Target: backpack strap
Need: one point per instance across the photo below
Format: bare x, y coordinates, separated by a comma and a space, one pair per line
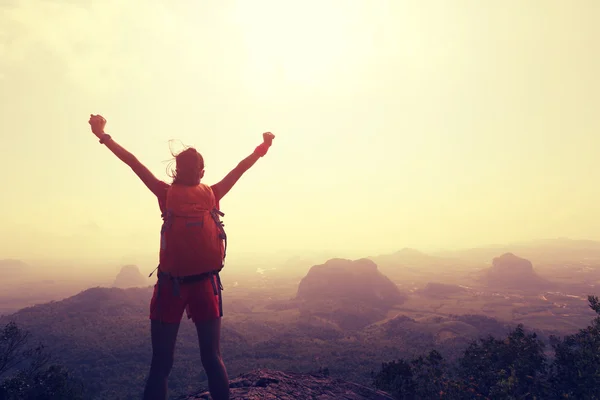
215, 214
152, 273
217, 288
167, 217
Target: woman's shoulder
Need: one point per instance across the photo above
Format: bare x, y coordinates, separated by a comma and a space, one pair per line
160, 190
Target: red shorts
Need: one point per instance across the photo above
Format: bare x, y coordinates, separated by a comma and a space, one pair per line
197, 298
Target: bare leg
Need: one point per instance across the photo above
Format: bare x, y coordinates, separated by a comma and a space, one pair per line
209, 335
164, 337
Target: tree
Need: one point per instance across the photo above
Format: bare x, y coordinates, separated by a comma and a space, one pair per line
577, 361
12, 347
28, 371
431, 377
512, 368
396, 378
425, 377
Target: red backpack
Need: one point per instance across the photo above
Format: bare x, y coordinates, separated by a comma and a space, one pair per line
193, 240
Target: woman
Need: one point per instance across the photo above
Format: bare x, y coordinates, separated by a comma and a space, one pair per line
192, 251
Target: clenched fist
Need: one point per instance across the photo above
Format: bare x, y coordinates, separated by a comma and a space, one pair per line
268, 138
97, 123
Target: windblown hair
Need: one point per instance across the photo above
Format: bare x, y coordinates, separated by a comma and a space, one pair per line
188, 167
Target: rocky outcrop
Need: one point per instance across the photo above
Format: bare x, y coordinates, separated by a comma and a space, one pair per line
351, 294
270, 385
130, 276
512, 272
346, 279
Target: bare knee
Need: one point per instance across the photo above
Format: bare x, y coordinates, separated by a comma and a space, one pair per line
209, 333
211, 358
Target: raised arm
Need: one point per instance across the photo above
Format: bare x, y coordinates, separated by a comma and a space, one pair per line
225, 185
98, 123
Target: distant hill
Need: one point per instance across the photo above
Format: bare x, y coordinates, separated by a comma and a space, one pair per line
512, 272
130, 276
349, 280
551, 251
351, 293
13, 267
440, 329
451, 333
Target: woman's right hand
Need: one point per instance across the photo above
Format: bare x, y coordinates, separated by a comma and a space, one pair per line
268, 138
97, 123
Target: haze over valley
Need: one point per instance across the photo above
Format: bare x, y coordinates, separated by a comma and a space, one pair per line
347, 316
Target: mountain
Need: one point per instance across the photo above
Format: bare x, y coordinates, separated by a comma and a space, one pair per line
512, 272
454, 331
130, 276
271, 384
349, 280
351, 294
11, 267
558, 250
407, 256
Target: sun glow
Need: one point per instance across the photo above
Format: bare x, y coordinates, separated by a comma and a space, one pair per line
301, 43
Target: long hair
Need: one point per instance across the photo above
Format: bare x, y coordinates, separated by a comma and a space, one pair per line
189, 165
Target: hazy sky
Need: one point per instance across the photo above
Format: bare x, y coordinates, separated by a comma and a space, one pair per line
399, 123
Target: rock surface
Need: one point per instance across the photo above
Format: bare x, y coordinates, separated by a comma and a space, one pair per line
266, 384
349, 294
512, 272
346, 279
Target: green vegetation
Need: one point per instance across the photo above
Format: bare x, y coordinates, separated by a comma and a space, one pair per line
516, 367
27, 371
